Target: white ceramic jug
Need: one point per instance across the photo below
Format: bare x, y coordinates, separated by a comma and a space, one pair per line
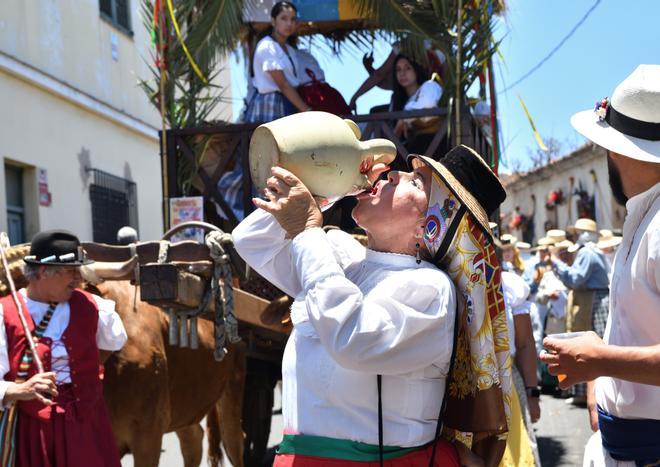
321, 149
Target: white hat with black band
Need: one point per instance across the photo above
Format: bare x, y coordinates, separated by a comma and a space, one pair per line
629, 122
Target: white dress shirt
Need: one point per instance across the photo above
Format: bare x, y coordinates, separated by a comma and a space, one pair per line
634, 318
357, 313
110, 335
270, 56
515, 292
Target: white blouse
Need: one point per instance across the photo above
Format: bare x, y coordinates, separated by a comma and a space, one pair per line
515, 292
270, 56
426, 96
634, 318
357, 313
110, 335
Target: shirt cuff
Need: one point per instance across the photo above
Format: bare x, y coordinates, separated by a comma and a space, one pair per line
110, 334
3, 390
313, 257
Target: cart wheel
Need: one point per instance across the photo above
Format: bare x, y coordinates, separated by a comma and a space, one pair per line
258, 409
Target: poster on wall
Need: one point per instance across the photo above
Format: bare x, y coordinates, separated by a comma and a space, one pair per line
184, 209
45, 198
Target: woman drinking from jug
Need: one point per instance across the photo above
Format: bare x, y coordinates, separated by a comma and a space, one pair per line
366, 366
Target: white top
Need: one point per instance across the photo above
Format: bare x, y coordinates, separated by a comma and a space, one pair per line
426, 96
357, 313
270, 56
515, 292
634, 318
550, 283
110, 335
306, 61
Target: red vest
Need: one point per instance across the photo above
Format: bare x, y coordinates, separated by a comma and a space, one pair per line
79, 338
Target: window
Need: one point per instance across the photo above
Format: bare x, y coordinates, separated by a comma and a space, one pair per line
114, 205
15, 204
117, 12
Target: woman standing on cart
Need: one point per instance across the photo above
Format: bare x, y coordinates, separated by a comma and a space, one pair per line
366, 366
275, 70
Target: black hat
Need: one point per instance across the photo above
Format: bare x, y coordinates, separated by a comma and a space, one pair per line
56, 248
467, 175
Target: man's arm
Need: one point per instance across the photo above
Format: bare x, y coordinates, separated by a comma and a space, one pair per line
587, 357
577, 274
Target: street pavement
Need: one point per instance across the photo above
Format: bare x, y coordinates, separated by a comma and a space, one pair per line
561, 433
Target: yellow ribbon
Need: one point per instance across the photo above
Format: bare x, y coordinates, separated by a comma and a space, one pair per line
539, 141
183, 44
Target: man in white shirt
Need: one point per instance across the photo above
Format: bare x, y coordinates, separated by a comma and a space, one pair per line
626, 366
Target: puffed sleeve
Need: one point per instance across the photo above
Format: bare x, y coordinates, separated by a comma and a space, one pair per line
259, 240
272, 56
404, 324
110, 333
4, 361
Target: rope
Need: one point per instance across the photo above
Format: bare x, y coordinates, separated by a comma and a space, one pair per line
226, 325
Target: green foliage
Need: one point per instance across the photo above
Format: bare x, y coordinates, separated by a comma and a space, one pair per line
210, 30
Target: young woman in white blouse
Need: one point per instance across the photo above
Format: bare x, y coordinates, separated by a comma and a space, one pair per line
275, 69
414, 91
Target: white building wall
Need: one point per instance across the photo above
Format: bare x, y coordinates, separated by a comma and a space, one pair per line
71, 102
556, 176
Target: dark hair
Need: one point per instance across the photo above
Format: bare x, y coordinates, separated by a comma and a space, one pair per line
279, 7
399, 96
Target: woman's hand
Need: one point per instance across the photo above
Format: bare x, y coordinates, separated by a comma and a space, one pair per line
41, 387
401, 129
466, 457
290, 202
534, 406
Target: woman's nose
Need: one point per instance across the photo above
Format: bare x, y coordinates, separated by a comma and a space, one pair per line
393, 177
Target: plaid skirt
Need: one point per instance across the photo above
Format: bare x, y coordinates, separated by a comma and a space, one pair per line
268, 107
600, 310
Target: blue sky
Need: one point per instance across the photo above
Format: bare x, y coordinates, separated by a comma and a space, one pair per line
615, 38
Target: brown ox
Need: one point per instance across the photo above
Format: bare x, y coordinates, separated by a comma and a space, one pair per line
152, 388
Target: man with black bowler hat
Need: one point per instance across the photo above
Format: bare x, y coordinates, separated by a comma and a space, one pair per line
626, 363
62, 418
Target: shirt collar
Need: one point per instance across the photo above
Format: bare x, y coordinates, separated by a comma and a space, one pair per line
643, 200
394, 259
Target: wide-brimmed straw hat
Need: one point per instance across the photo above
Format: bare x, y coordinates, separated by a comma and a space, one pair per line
552, 237
629, 122
56, 248
586, 224
507, 241
607, 239
560, 246
470, 179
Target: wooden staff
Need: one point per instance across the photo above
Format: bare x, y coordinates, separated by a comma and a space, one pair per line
4, 240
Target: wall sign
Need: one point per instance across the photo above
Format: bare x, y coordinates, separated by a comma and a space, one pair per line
45, 198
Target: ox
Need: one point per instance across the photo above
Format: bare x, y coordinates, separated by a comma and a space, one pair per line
152, 388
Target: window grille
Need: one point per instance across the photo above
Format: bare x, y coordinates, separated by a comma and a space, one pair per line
118, 13
114, 205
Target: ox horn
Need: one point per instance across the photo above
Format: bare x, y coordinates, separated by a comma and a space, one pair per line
95, 273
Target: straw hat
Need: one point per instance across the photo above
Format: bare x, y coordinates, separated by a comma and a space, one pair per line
523, 246
507, 241
607, 239
560, 246
586, 224
552, 237
629, 123
469, 178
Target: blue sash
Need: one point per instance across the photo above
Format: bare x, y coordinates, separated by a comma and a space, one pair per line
630, 440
